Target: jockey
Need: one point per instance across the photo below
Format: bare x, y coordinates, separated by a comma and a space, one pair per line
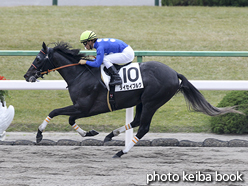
109, 51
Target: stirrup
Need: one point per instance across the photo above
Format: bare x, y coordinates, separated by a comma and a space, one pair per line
115, 81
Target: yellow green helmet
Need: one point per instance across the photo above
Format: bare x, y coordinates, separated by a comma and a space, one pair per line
87, 36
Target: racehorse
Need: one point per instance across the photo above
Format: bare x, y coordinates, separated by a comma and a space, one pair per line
89, 94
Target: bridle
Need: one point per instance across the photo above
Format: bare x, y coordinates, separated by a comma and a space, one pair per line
54, 69
40, 72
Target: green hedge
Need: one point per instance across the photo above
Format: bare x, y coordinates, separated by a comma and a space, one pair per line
232, 123
240, 3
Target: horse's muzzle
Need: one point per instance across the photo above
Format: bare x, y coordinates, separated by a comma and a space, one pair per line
29, 78
32, 77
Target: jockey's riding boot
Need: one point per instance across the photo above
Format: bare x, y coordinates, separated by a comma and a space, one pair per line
115, 78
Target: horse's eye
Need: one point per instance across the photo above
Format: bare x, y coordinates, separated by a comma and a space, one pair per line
38, 58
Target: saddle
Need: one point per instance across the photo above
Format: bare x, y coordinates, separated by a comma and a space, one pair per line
131, 80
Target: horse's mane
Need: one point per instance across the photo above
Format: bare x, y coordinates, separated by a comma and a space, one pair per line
66, 50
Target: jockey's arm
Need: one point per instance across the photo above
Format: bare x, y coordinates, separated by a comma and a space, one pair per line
98, 61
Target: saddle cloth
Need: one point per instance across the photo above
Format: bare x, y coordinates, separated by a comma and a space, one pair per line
130, 75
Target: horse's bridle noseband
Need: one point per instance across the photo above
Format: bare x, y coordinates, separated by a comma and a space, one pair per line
40, 71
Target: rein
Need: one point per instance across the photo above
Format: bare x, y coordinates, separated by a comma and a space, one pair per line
69, 65
52, 70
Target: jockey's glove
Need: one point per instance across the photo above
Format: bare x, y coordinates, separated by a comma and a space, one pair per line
82, 62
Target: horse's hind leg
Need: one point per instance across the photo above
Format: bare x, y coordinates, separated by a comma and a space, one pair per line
145, 121
128, 126
148, 108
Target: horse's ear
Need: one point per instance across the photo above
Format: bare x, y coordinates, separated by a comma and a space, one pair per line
44, 46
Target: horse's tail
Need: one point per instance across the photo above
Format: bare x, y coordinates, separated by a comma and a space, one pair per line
196, 101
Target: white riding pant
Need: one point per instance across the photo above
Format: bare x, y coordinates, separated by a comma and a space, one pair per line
126, 56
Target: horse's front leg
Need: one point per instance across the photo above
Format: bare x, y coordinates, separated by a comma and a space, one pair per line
72, 122
72, 111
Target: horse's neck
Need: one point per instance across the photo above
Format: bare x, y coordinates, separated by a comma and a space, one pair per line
69, 74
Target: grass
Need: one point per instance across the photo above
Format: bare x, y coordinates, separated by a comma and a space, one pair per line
144, 28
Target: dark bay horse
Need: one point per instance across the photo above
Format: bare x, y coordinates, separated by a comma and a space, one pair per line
89, 95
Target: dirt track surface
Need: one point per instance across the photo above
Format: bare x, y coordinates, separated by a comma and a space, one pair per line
198, 137
94, 165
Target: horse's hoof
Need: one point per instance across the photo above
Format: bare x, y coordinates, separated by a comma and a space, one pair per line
91, 133
115, 156
39, 136
106, 139
118, 154
109, 137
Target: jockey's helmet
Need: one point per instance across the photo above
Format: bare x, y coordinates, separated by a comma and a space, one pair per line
87, 36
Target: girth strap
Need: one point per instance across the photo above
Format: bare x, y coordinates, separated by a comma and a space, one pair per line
112, 97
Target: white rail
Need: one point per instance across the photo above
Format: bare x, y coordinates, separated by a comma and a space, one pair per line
39, 85
61, 85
